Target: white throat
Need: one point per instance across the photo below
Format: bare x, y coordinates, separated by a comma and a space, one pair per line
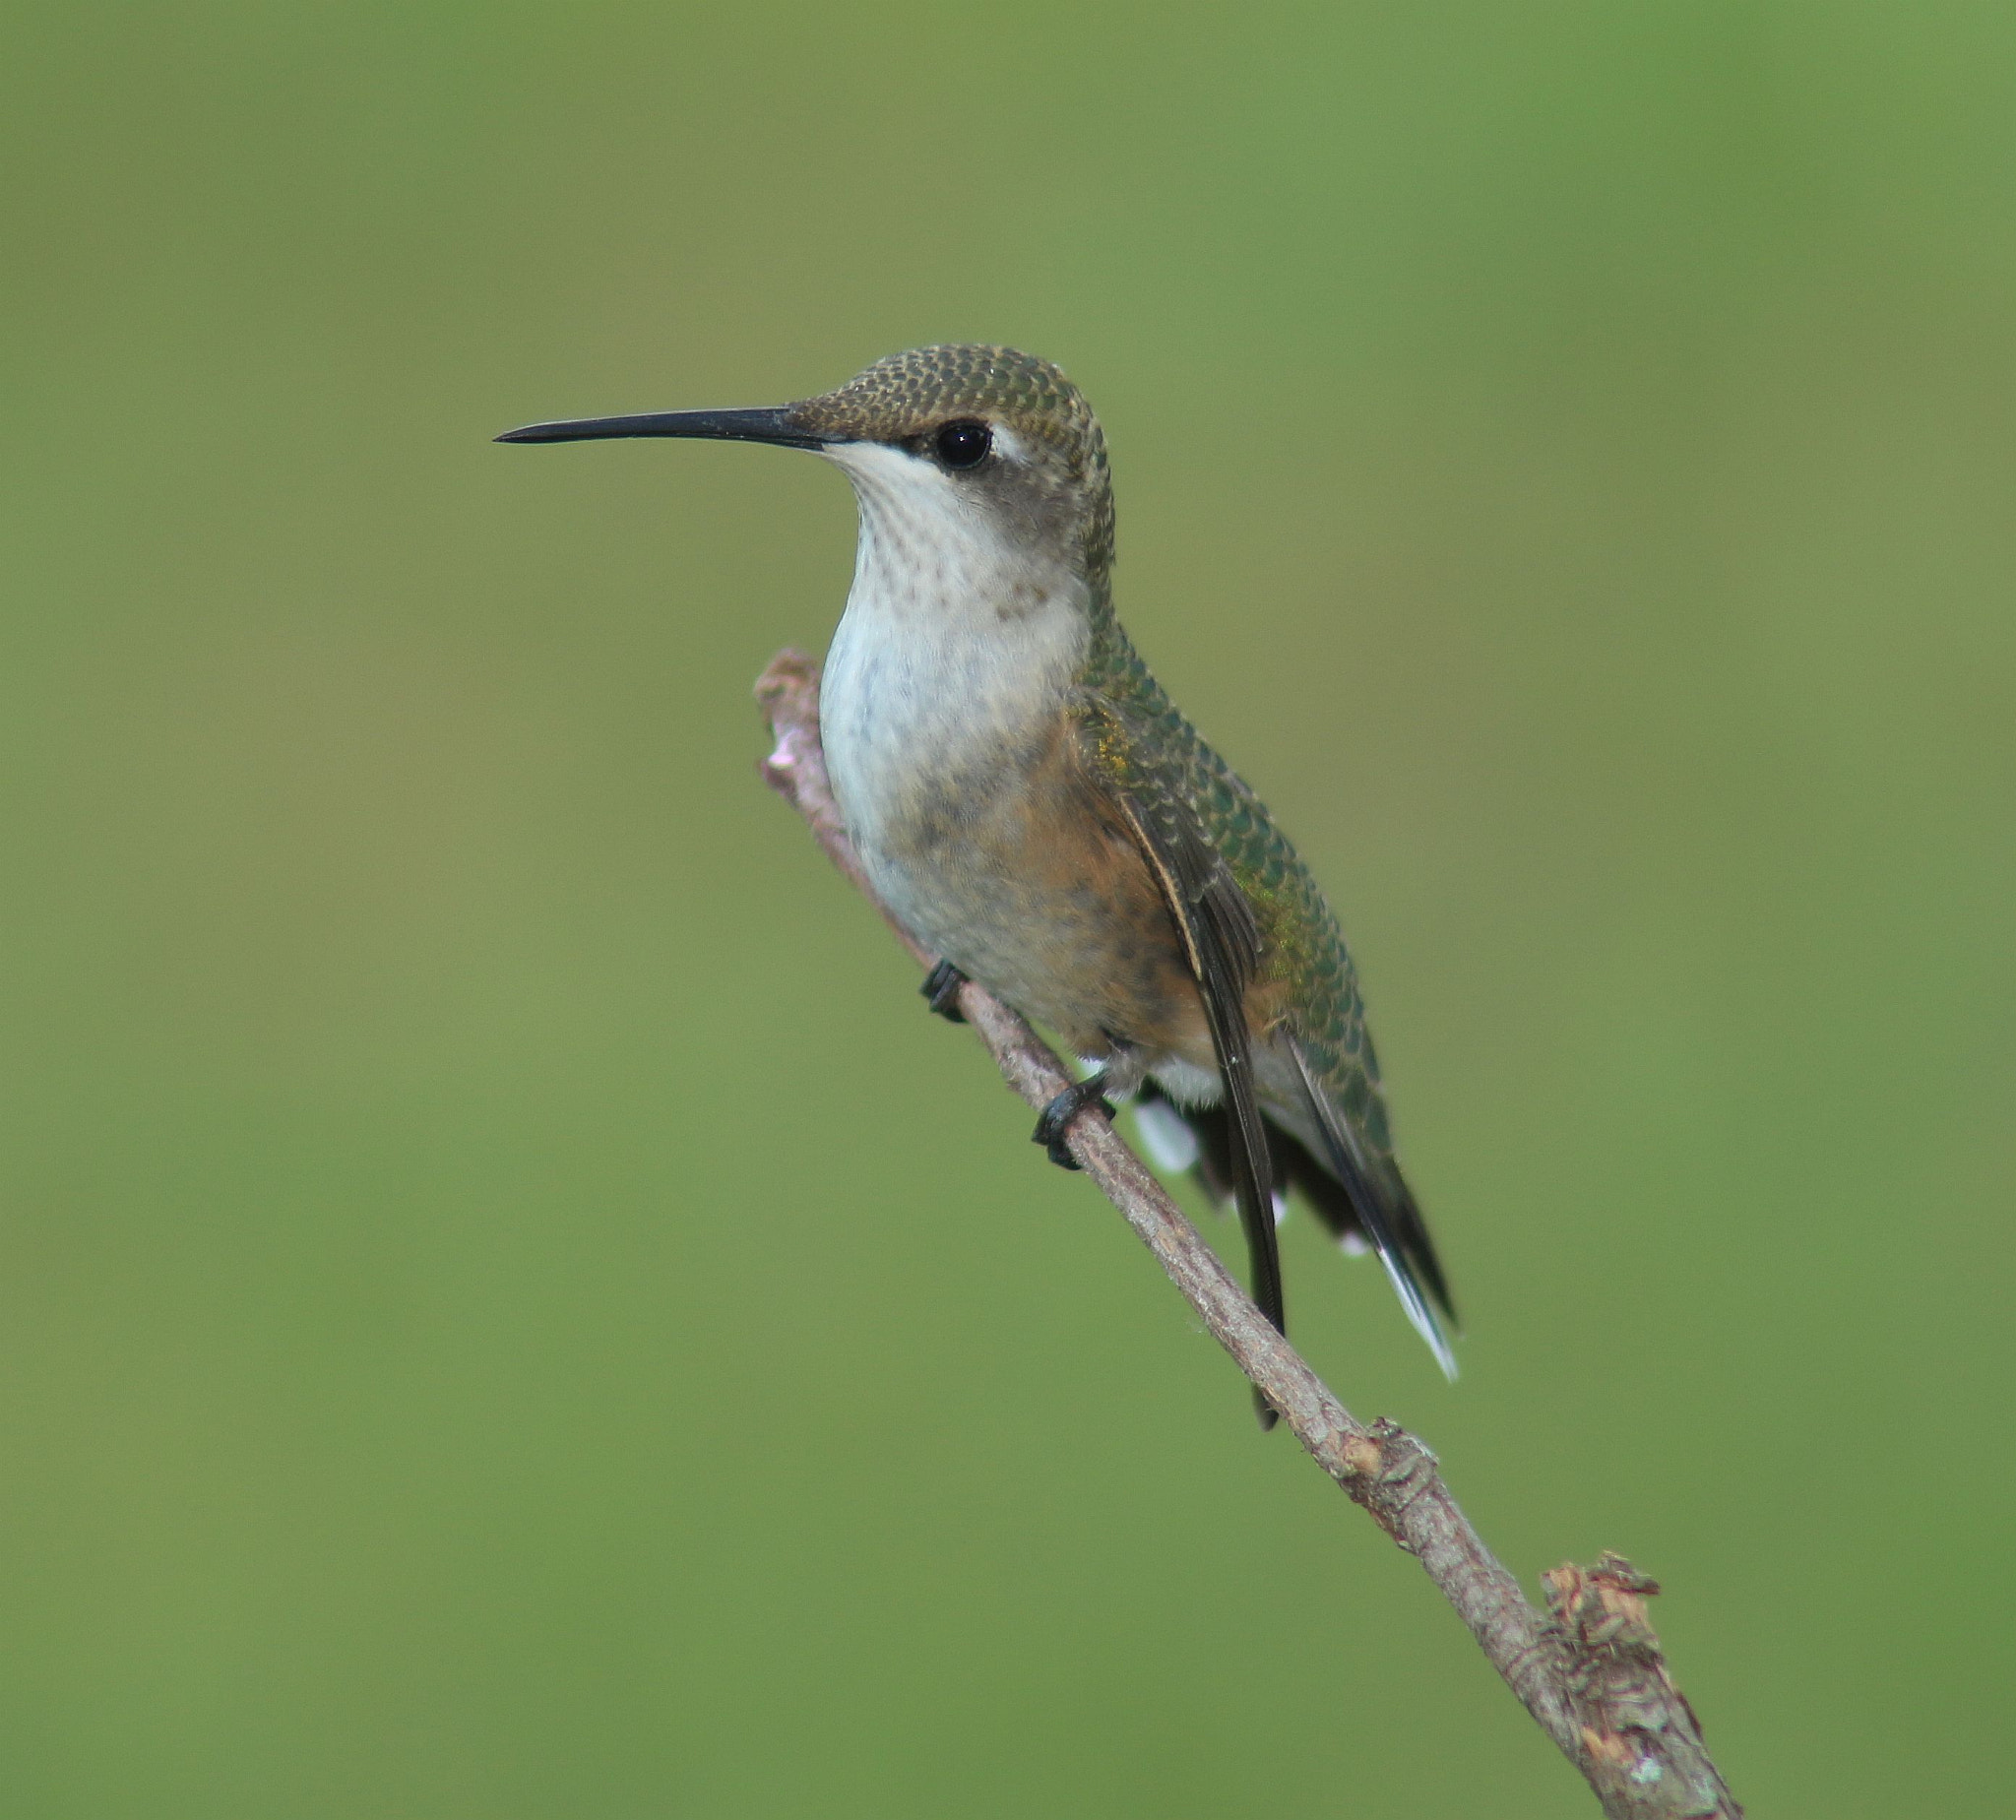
956, 637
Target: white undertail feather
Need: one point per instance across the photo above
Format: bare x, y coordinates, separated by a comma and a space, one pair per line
1171, 1144
1419, 1313
1166, 1134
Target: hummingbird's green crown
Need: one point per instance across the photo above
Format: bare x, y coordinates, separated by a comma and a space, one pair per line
907, 394
907, 398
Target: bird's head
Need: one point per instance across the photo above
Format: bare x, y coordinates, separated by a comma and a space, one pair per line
944, 445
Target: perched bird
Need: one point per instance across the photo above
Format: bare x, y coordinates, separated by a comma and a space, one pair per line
1029, 802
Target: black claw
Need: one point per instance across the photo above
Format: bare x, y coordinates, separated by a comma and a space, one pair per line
941, 991
1058, 1115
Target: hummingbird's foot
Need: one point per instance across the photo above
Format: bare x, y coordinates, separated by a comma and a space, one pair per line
941, 991
1058, 1115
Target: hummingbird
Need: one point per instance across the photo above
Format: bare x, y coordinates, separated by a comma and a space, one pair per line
1030, 803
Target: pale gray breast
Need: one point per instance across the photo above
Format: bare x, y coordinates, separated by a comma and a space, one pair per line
954, 656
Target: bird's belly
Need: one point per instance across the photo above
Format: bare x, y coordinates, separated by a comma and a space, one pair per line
1040, 925
1011, 868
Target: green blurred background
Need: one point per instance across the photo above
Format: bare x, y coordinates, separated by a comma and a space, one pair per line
511, 1308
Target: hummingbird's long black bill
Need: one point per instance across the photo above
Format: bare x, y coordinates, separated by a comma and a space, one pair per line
779, 424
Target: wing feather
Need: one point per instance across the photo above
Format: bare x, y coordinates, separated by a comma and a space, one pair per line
1223, 942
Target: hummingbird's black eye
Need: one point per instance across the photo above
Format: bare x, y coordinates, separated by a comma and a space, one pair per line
963, 443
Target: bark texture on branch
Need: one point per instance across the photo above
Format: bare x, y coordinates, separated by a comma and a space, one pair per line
1588, 1671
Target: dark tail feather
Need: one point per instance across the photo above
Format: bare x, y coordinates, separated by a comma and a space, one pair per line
1396, 1231
1349, 1198
1302, 1176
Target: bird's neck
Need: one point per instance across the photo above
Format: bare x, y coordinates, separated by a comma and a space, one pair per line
955, 646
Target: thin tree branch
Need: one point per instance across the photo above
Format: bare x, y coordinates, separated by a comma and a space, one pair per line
1589, 1671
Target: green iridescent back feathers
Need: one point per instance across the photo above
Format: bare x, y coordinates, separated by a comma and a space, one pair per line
1158, 755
